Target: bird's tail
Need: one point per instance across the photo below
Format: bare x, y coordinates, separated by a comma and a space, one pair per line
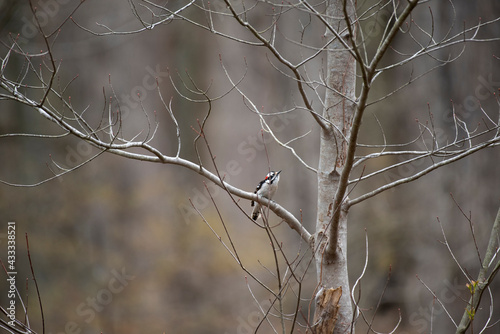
256, 211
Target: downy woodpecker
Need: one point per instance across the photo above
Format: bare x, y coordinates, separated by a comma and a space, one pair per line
266, 188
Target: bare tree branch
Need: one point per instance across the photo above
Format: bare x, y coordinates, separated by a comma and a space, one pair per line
486, 275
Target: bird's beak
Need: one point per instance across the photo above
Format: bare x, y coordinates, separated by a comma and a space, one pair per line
278, 172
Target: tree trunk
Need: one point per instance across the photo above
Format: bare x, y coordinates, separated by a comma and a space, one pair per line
339, 109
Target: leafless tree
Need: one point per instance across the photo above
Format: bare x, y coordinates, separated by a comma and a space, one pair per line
334, 77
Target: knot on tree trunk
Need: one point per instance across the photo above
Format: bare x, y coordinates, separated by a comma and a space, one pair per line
327, 308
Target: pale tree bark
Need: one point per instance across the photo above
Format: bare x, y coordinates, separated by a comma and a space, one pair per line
331, 260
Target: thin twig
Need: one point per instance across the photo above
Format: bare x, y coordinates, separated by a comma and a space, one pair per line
36, 284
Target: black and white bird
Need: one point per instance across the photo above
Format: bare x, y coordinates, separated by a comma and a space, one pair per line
266, 188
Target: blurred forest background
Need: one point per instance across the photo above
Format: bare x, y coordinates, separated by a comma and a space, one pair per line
119, 218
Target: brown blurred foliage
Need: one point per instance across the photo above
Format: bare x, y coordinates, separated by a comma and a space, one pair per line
116, 216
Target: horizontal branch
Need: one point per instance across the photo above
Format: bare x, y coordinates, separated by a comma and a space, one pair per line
156, 156
281, 212
490, 143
